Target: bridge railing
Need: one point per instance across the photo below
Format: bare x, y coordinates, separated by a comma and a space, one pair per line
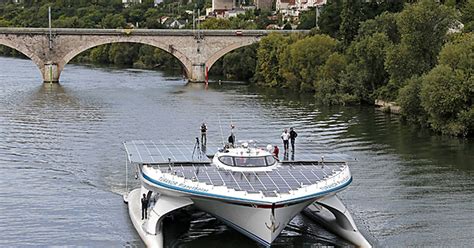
146, 32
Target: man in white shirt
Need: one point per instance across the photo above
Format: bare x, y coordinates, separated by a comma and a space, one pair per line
285, 136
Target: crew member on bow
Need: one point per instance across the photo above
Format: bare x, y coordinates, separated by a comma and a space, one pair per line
293, 136
144, 206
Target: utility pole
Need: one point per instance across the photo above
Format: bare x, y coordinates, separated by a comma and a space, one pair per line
317, 16
199, 24
194, 17
50, 31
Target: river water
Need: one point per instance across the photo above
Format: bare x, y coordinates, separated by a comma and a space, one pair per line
62, 162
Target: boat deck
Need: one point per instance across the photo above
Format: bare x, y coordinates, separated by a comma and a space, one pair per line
290, 176
178, 158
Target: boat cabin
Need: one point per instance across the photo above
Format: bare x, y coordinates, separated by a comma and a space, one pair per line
245, 159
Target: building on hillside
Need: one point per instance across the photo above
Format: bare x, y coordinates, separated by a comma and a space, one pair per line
273, 27
127, 3
301, 5
304, 5
234, 13
291, 9
287, 8
219, 5
264, 4
12, 1
174, 23
285, 4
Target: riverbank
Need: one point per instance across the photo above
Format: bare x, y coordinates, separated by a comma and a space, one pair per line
389, 107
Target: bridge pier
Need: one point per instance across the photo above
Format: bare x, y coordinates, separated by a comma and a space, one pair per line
50, 73
198, 73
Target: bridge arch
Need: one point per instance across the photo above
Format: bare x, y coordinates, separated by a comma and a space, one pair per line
185, 61
219, 54
20, 47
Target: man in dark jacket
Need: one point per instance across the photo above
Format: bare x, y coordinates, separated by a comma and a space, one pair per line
293, 136
203, 134
144, 206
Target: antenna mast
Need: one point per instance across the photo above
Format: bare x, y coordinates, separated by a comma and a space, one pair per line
220, 125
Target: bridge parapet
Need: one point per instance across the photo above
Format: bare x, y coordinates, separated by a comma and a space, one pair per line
152, 32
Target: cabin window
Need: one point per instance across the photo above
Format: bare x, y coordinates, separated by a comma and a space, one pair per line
262, 161
227, 160
270, 160
250, 161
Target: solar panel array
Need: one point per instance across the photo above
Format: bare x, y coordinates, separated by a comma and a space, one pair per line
189, 161
290, 176
147, 152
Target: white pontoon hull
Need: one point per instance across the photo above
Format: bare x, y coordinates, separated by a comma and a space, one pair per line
255, 222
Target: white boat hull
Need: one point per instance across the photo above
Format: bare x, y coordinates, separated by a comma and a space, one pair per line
257, 221
254, 222
331, 213
134, 210
150, 229
261, 224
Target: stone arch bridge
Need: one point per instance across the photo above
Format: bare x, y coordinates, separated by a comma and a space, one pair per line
197, 51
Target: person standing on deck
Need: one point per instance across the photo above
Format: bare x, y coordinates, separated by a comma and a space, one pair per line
203, 134
276, 151
144, 207
231, 138
285, 136
293, 136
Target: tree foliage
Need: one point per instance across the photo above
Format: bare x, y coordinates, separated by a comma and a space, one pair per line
444, 97
467, 16
268, 59
304, 61
367, 56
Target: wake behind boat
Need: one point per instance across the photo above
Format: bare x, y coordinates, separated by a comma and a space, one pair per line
245, 187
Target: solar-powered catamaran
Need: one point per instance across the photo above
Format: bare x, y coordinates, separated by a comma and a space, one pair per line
246, 187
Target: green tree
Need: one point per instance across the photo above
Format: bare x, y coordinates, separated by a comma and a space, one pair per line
268, 59
367, 57
68, 22
113, 21
4, 23
385, 23
240, 64
330, 88
100, 54
423, 28
351, 15
304, 59
330, 18
467, 17
447, 93
410, 102
307, 20
443, 95
216, 23
123, 54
